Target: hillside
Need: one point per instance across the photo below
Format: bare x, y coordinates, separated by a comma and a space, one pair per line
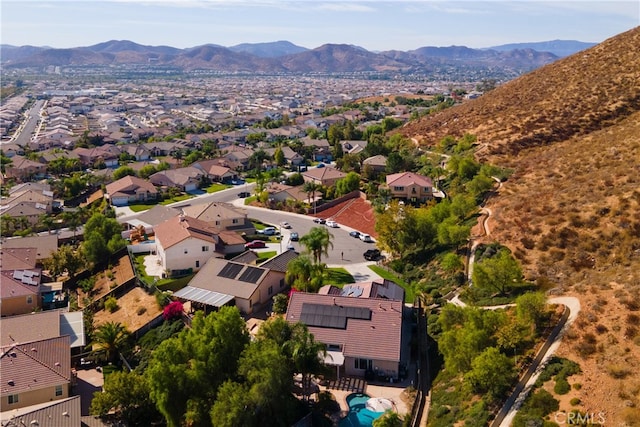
571, 210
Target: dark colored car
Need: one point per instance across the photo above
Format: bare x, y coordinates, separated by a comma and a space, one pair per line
319, 220
244, 194
372, 255
256, 244
294, 237
355, 234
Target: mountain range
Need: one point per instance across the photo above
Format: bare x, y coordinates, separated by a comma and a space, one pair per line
286, 57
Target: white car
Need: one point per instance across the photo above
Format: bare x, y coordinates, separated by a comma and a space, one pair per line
331, 223
366, 238
285, 224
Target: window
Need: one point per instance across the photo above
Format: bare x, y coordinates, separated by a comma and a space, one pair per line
235, 221
13, 398
413, 190
281, 283
197, 263
398, 188
58, 390
217, 222
334, 347
29, 299
364, 364
270, 290
205, 249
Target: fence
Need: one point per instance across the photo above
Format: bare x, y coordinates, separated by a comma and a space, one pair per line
422, 380
334, 202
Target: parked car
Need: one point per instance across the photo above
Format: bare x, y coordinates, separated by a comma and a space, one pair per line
319, 220
244, 194
290, 247
331, 223
372, 255
256, 244
355, 234
366, 238
320, 165
285, 224
294, 237
268, 231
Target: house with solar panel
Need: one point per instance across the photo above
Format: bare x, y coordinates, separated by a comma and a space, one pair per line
224, 282
363, 330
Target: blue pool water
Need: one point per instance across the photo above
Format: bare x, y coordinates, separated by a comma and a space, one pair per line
359, 415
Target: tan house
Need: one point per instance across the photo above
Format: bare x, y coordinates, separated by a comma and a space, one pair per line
184, 244
363, 335
220, 282
410, 186
326, 176
376, 163
222, 215
23, 169
35, 372
63, 412
184, 179
130, 189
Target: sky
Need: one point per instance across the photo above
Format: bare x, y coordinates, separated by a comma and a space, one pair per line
373, 25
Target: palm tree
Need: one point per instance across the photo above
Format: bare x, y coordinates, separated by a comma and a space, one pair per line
318, 241
310, 187
306, 354
299, 272
109, 339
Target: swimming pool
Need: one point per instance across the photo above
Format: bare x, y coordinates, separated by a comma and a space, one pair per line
359, 415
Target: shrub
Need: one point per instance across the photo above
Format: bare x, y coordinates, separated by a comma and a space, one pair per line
172, 310
575, 401
562, 386
618, 371
141, 310
111, 304
577, 386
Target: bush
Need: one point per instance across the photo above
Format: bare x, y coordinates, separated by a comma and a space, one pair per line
172, 310
111, 304
141, 310
575, 401
562, 386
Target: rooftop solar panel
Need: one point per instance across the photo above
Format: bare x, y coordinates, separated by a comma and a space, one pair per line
251, 275
331, 316
230, 270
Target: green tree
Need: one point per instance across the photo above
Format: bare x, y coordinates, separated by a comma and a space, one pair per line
349, 183
389, 419
186, 371
317, 242
127, 396
280, 302
491, 372
102, 237
146, 171
65, 259
310, 187
299, 273
123, 171
499, 273
306, 354
531, 308
109, 340
278, 157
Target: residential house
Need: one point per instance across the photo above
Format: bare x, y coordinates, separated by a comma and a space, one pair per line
184, 179
140, 151
363, 335
185, 244
93, 157
20, 291
64, 412
321, 149
283, 192
239, 155
353, 147
23, 169
221, 282
130, 189
290, 156
218, 170
410, 186
50, 324
223, 216
43, 246
35, 372
376, 163
326, 176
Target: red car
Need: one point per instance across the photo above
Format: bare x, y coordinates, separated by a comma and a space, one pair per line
255, 244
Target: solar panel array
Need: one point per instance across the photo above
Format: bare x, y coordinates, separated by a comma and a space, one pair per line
251, 275
331, 316
230, 271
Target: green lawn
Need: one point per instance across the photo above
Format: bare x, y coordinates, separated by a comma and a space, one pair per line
338, 276
179, 198
140, 208
250, 200
174, 284
263, 256
215, 187
408, 289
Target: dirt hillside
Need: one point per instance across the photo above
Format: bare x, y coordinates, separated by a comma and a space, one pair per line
571, 210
